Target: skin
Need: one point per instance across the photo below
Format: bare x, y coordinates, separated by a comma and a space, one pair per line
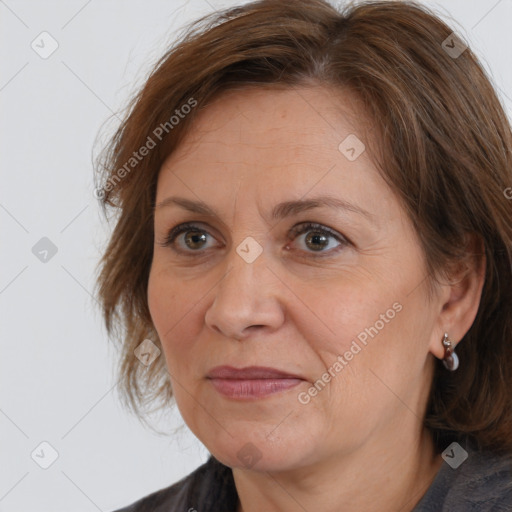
360, 443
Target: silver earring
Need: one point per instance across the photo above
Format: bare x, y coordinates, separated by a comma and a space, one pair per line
450, 360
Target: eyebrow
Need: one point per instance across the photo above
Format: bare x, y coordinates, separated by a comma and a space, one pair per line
280, 211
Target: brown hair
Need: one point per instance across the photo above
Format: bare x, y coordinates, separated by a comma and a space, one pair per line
445, 152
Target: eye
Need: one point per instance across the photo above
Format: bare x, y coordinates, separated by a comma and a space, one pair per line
187, 238
318, 238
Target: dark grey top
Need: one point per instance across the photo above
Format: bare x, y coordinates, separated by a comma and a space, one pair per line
482, 483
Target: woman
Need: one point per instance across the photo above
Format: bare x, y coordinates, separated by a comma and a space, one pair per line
314, 234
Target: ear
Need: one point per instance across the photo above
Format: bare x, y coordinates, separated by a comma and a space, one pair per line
459, 298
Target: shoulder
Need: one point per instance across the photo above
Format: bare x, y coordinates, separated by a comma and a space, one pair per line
483, 483
486, 483
207, 487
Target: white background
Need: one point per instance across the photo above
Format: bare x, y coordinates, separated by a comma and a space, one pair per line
57, 381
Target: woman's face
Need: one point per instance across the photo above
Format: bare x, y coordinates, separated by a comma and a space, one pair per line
342, 303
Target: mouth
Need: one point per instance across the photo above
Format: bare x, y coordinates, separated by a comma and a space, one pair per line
252, 382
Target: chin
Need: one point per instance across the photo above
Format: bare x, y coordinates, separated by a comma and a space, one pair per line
256, 452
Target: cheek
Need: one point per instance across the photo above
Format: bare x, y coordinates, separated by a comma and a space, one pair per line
175, 313
337, 312
174, 309
356, 329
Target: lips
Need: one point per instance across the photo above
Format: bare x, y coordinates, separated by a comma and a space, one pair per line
252, 382
250, 373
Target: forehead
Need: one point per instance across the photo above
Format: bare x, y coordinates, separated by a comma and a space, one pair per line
308, 109
255, 128
251, 149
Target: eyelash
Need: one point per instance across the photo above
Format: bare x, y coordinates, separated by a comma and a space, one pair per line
294, 233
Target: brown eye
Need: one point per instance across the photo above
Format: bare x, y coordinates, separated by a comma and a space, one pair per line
319, 239
316, 240
188, 238
195, 239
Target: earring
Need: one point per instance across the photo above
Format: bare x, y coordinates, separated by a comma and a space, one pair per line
450, 360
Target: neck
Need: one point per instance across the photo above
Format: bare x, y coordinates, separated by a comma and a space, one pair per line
390, 476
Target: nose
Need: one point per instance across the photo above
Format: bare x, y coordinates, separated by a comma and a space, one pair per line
246, 300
